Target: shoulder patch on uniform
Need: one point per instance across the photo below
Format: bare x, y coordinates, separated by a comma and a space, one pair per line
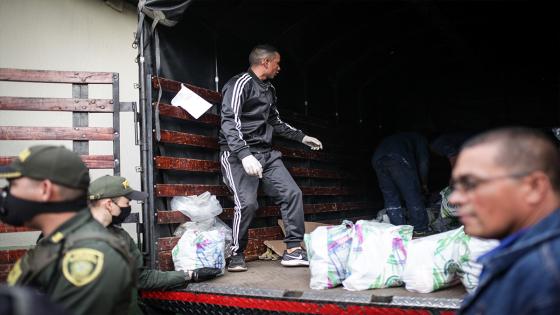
15, 273
82, 265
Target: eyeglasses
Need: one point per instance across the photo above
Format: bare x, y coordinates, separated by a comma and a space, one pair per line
468, 183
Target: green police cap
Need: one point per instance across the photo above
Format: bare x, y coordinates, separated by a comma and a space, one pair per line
55, 163
113, 186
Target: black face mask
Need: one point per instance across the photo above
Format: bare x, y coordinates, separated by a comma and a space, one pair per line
15, 211
125, 211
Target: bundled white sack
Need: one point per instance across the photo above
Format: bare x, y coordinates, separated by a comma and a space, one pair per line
327, 249
377, 255
198, 208
470, 269
433, 261
205, 226
197, 249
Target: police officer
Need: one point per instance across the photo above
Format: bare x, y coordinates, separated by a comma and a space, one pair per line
109, 198
78, 263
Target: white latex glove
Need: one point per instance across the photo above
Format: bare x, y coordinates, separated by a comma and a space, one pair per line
252, 166
313, 143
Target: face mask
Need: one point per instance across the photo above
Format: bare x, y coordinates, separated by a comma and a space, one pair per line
125, 211
15, 211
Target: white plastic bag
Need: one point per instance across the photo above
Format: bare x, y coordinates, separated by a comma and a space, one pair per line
377, 256
198, 208
328, 248
197, 249
434, 261
470, 269
217, 224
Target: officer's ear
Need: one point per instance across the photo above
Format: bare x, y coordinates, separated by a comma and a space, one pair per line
46, 190
106, 204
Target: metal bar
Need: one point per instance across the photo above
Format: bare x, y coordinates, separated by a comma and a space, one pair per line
56, 133
147, 243
116, 125
55, 104
128, 106
91, 161
80, 119
79, 77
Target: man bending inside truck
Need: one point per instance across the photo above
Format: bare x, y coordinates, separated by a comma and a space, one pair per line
249, 117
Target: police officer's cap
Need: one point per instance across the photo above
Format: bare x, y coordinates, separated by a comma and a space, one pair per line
56, 163
113, 186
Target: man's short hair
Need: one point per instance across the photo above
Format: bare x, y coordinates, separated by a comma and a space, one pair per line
261, 52
523, 150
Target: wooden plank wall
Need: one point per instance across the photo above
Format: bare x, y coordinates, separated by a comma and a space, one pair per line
80, 134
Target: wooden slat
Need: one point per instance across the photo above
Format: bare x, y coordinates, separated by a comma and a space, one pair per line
183, 164
265, 233
23, 75
189, 139
5, 228
170, 190
91, 161
174, 216
4, 271
316, 173
10, 256
306, 154
192, 165
56, 133
175, 86
179, 113
56, 104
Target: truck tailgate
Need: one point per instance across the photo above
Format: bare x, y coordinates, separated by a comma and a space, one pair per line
269, 286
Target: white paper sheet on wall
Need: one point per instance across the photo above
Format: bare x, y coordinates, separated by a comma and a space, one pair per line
191, 102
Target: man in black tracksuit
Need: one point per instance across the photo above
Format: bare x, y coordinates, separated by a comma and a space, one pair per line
249, 117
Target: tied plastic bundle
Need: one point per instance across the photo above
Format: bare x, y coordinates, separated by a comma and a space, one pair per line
377, 255
199, 249
433, 262
471, 269
448, 210
328, 248
203, 211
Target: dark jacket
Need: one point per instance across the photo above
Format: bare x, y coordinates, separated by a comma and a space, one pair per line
249, 116
410, 146
523, 278
149, 279
79, 266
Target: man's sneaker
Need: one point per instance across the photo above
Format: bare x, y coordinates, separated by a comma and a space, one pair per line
237, 263
297, 258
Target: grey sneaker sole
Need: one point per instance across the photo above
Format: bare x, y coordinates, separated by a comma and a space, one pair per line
294, 263
237, 269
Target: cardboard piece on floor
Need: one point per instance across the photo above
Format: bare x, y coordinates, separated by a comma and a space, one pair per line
278, 246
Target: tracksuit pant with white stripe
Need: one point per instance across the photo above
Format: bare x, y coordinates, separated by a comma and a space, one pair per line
277, 183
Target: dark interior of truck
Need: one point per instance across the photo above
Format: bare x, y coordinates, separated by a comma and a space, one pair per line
353, 72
